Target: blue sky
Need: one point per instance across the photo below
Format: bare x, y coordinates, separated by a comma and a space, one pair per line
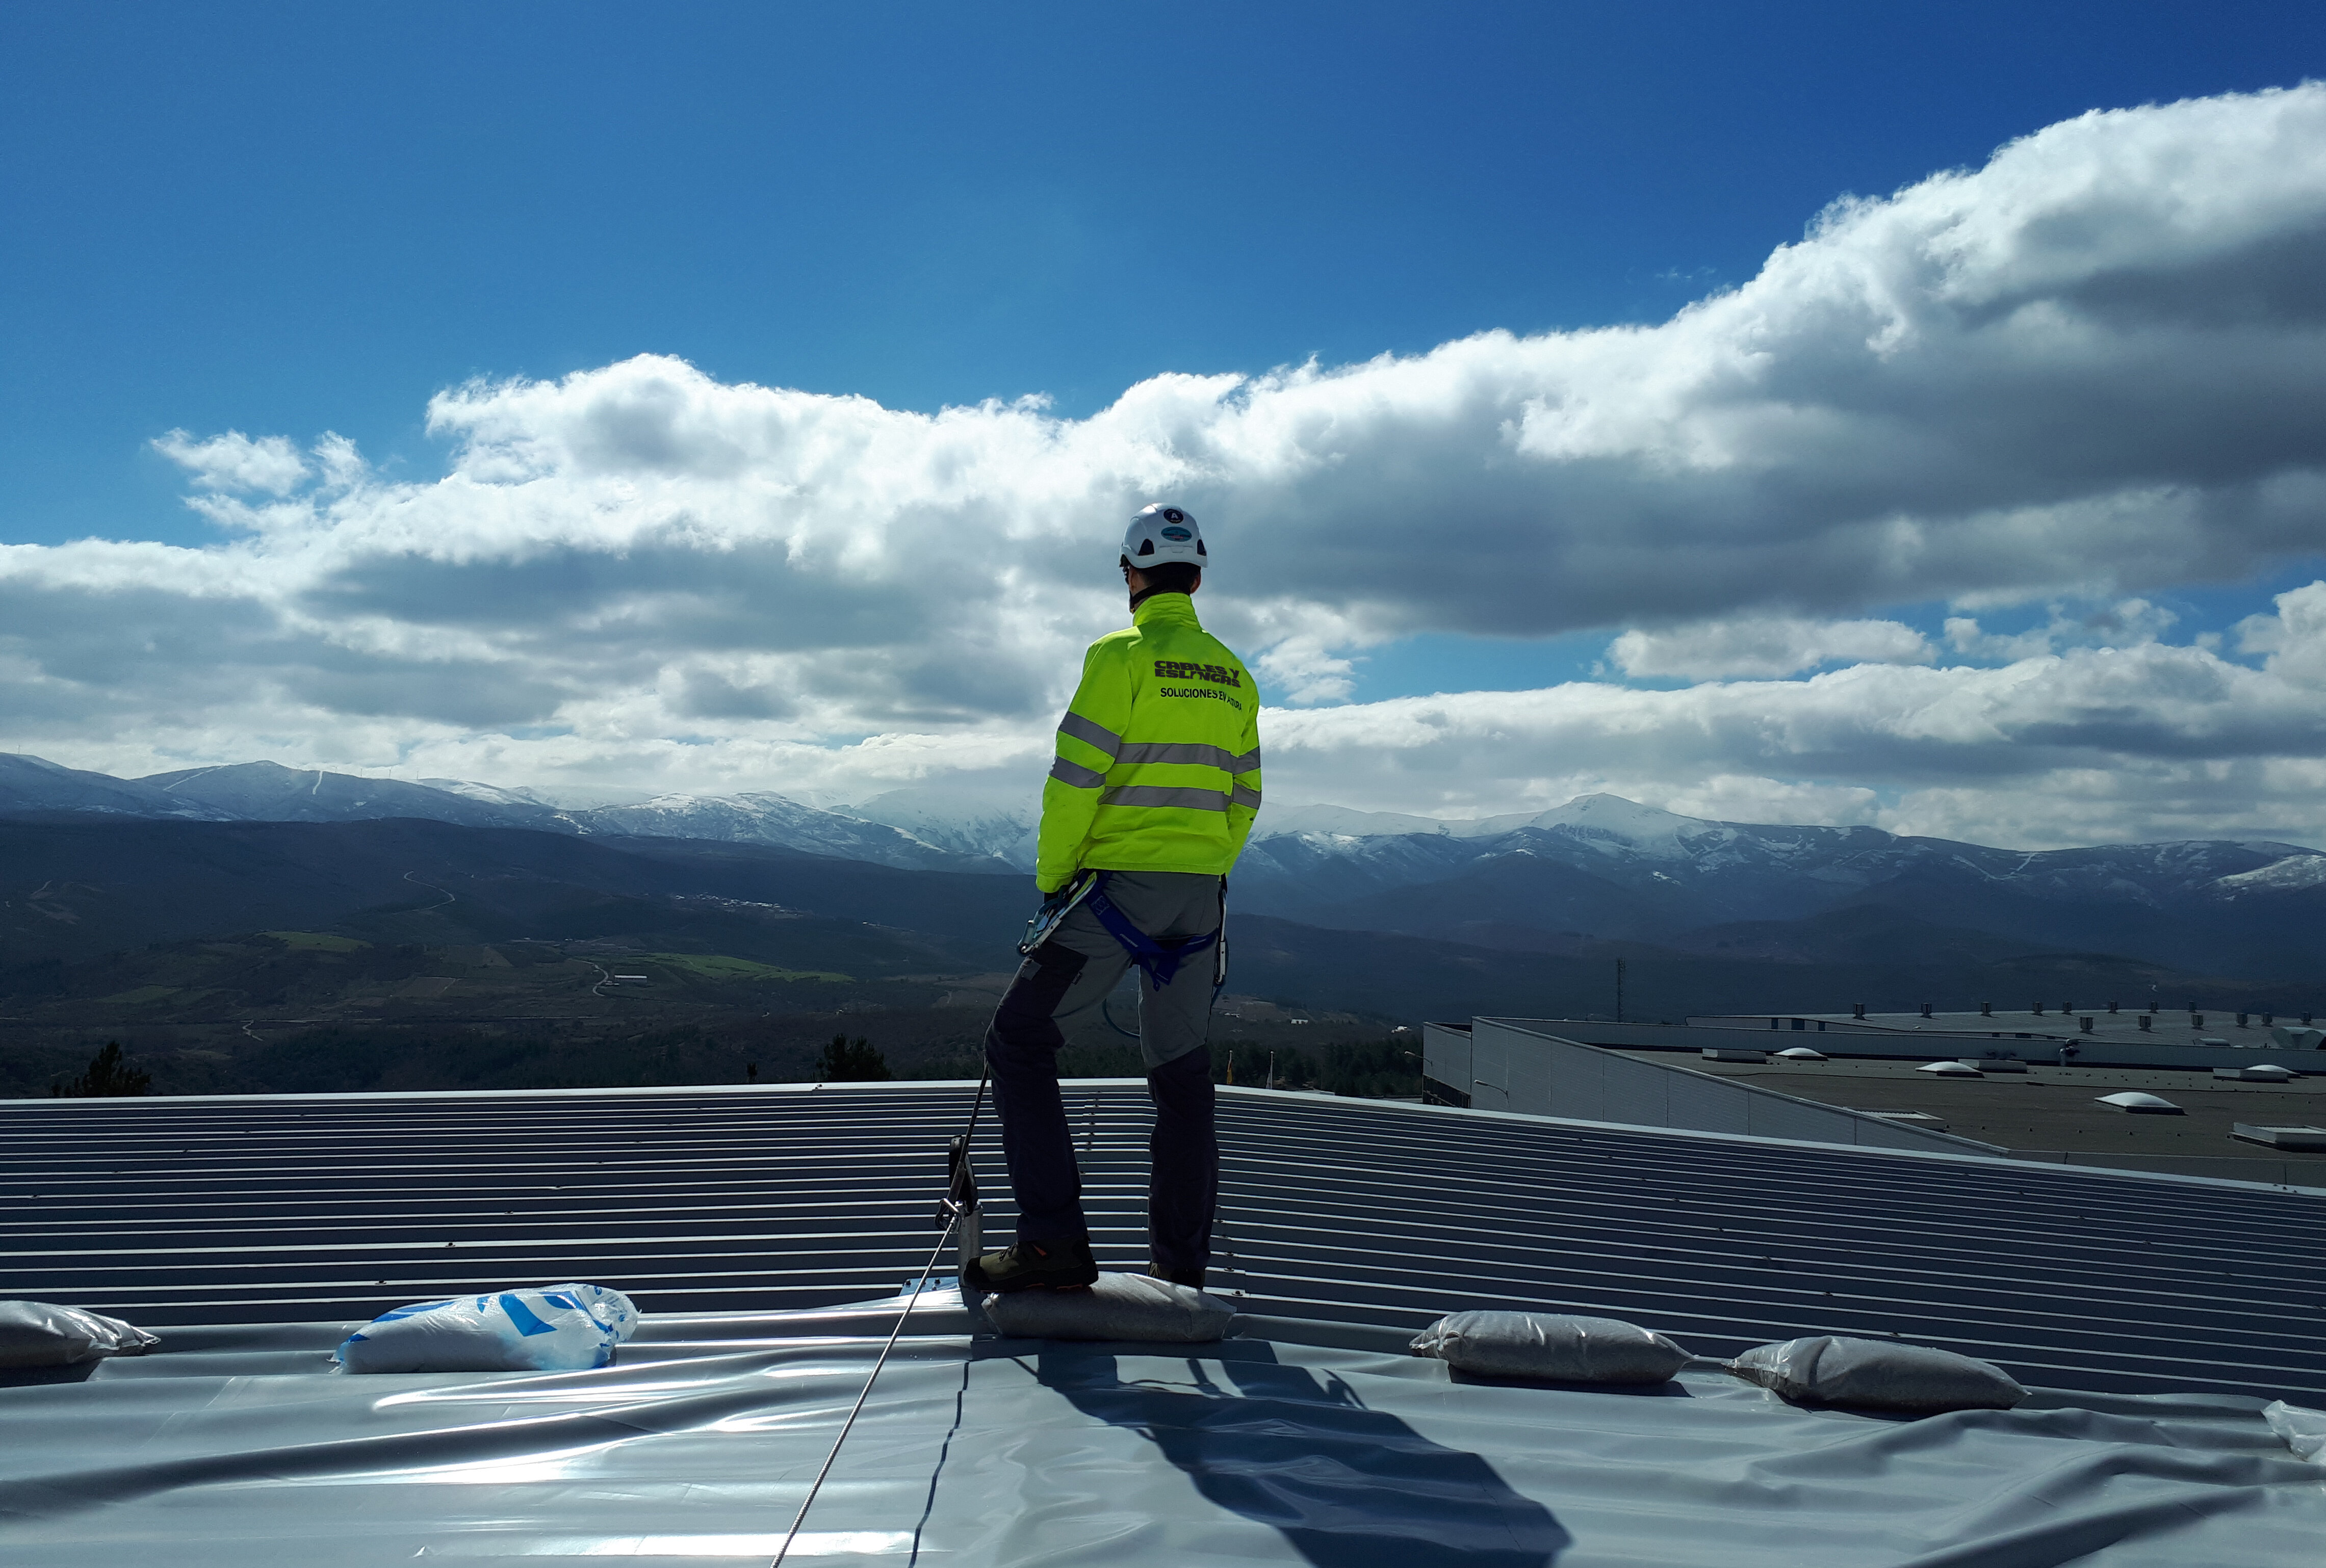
292, 218
289, 220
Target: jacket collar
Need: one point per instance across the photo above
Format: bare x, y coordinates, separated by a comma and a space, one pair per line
1176, 607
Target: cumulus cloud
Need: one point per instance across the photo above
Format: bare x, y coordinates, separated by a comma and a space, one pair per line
1307, 672
233, 462
2125, 624
2087, 369
2092, 743
1767, 645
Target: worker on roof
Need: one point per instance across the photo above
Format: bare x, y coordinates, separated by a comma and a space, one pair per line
1149, 802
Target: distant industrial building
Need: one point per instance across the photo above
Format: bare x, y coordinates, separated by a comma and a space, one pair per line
2064, 1024
2091, 1037
2237, 1114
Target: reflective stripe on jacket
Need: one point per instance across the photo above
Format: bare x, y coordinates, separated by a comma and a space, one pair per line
1159, 755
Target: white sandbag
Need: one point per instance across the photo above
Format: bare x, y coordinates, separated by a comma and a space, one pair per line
36, 1334
1878, 1375
1571, 1349
550, 1327
1120, 1306
2304, 1431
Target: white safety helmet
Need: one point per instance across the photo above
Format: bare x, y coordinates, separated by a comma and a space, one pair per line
1160, 534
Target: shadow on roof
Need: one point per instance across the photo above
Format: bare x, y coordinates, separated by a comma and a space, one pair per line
1346, 1486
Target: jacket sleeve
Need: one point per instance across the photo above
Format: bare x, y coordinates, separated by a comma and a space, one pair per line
1089, 738
1244, 798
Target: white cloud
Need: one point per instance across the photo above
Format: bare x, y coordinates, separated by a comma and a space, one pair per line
2087, 369
1743, 798
1307, 672
1765, 645
2128, 623
233, 461
2092, 744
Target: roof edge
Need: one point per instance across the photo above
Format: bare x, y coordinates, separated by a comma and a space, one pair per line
1238, 1091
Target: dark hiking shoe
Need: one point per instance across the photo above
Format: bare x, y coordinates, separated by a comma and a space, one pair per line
1191, 1277
1034, 1266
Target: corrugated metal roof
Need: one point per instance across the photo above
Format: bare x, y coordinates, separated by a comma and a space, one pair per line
172, 1212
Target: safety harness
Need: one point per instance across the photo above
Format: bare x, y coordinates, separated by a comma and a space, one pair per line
1157, 962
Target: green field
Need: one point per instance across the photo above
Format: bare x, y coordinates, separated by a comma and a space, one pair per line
315, 942
140, 997
729, 970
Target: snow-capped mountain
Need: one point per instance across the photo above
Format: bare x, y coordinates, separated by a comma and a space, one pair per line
966, 826
1599, 867
267, 792
1755, 870
563, 798
1342, 822
2303, 869
762, 817
33, 783
1604, 866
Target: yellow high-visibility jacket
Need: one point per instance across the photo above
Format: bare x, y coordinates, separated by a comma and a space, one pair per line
1159, 753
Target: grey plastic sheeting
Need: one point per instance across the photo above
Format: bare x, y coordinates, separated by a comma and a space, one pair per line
234, 1446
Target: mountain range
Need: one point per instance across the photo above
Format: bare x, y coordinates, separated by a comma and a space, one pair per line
1607, 869
1595, 876
267, 792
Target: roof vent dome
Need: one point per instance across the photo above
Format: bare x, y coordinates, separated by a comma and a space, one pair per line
2140, 1104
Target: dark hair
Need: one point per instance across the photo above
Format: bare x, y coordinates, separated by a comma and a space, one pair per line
1169, 576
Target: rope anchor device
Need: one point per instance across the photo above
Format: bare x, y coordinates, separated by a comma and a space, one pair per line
1054, 910
960, 1206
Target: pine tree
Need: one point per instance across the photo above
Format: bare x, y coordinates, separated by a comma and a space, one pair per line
851, 1062
108, 1076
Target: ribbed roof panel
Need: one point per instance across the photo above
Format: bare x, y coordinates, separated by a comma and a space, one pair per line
170, 1211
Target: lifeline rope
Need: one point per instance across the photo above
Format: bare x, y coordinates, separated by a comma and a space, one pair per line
817, 1485
904, 1312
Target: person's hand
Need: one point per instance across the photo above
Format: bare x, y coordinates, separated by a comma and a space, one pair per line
1060, 894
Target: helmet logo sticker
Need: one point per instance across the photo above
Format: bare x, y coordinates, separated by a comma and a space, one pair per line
1177, 534
1173, 515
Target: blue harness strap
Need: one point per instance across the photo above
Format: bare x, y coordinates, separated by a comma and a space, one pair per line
1157, 962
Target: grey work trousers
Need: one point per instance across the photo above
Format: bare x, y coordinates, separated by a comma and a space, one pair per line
1060, 987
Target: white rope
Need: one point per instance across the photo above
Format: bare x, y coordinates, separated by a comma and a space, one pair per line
903, 1313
